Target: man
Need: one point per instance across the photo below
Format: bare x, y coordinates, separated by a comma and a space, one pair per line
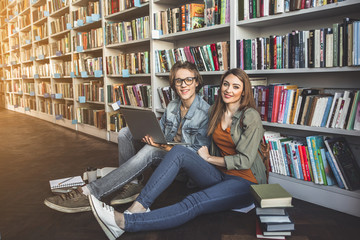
184, 120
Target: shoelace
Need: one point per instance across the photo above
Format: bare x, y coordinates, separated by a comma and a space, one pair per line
70, 195
108, 207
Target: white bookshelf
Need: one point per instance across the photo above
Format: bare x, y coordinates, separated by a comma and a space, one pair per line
306, 19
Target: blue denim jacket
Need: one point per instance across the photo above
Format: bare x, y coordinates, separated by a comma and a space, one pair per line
194, 126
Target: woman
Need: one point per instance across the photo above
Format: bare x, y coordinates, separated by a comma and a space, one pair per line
224, 173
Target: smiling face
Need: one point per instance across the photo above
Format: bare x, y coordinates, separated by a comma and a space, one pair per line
231, 89
186, 92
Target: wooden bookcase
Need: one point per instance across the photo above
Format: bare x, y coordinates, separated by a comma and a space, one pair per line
313, 18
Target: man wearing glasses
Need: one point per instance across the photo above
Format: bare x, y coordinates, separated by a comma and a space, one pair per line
185, 120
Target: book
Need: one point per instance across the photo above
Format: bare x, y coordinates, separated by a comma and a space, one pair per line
66, 182
260, 235
349, 168
271, 195
275, 227
275, 219
270, 211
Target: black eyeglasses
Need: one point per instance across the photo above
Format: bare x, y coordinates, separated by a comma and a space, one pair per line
188, 81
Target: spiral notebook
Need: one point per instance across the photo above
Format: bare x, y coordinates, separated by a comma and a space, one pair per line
66, 182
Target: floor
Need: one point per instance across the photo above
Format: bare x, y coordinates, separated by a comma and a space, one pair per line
33, 151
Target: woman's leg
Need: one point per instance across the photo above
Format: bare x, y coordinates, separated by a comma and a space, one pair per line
201, 172
228, 194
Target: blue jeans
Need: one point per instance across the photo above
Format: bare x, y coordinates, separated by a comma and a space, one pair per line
219, 192
131, 165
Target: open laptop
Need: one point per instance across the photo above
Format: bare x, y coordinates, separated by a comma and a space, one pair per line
142, 122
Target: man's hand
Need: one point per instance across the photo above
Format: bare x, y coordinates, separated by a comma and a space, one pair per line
149, 140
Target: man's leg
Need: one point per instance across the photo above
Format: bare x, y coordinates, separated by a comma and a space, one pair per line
126, 172
127, 147
77, 201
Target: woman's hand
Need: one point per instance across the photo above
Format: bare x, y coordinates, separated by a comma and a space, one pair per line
148, 140
204, 153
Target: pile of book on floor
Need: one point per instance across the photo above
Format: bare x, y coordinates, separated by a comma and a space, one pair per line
273, 220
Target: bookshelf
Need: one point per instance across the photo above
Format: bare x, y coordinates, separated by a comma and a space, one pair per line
306, 19
45, 66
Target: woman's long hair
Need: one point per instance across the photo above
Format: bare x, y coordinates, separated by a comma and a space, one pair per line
247, 98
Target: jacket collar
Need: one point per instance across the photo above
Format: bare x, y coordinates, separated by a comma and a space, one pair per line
191, 110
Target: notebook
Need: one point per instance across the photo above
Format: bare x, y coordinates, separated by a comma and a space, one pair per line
66, 182
142, 122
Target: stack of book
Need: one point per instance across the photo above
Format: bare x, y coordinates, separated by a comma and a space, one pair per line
273, 220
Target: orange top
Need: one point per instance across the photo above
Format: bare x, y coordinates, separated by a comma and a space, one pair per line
223, 140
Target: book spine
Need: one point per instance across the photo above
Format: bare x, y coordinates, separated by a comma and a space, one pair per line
312, 160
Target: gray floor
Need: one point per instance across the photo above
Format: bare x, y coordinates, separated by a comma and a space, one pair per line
33, 151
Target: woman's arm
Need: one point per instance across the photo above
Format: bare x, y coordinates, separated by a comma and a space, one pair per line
217, 161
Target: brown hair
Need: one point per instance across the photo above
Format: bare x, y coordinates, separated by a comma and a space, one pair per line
247, 99
189, 66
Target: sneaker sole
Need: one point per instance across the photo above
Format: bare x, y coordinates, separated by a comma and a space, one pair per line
106, 230
65, 209
124, 200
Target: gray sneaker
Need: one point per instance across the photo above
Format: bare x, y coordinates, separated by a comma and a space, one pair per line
72, 202
128, 194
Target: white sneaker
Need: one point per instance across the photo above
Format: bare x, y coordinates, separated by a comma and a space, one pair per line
105, 216
128, 212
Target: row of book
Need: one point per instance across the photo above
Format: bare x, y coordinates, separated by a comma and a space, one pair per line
40, 31
116, 121
29, 104
249, 9
192, 16
114, 6
61, 46
318, 159
65, 89
39, 12
211, 57
84, 12
93, 91
60, 24
65, 110
61, 68
58, 4
131, 63
28, 87
44, 105
326, 47
272, 216
138, 95
289, 104
87, 65
118, 32
87, 40
24, 21
94, 117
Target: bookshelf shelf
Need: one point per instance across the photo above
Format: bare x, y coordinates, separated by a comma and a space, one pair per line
303, 70
60, 34
303, 14
134, 43
203, 73
200, 32
40, 21
88, 26
39, 3
60, 12
129, 13
26, 29
130, 76
314, 129
328, 196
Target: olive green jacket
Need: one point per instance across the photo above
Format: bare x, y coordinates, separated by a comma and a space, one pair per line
247, 141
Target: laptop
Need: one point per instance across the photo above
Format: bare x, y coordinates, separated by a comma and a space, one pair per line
142, 122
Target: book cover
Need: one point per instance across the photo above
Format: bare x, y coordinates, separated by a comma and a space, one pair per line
334, 170
346, 161
314, 168
196, 15
66, 182
271, 195
330, 179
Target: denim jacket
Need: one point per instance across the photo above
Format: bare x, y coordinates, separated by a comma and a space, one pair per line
247, 142
194, 124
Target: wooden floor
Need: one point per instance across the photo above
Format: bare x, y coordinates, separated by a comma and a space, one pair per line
33, 151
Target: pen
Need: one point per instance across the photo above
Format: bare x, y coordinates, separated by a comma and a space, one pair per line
65, 180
